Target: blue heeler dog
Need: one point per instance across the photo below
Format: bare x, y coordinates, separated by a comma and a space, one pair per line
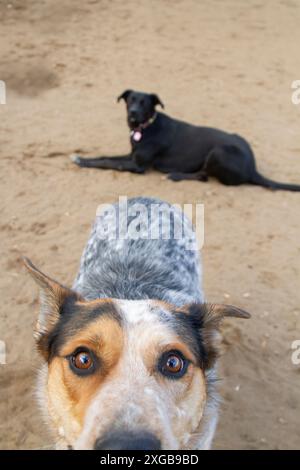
130, 351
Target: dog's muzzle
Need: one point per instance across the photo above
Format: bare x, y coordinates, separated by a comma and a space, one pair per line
125, 440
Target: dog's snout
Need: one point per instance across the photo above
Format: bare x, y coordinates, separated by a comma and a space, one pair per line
124, 440
133, 113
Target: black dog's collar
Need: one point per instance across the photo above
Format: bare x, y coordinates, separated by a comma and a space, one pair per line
137, 133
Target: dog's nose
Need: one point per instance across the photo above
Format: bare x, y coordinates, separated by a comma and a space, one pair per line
124, 440
133, 113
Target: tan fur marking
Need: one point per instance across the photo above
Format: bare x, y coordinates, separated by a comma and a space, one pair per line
104, 337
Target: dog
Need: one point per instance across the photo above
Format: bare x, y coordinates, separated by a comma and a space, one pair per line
130, 350
184, 151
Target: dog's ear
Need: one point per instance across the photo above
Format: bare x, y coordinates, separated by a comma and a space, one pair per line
156, 100
53, 297
207, 319
124, 95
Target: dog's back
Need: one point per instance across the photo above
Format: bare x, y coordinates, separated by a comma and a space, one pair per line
141, 249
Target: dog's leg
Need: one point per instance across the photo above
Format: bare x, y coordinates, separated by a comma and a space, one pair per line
121, 163
197, 176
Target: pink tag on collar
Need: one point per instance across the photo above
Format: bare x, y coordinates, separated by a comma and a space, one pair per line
137, 135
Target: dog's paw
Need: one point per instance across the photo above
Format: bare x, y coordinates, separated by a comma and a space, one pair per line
203, 177
75, 158
174, 177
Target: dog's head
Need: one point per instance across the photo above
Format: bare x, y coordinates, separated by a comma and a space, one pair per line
140, 106
125, 374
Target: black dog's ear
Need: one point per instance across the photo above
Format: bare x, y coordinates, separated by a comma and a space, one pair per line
124, 95
156, 100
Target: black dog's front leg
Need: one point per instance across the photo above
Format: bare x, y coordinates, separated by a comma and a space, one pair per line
121, 163
197, 176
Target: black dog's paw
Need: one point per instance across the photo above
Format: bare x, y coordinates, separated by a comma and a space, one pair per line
75, 158
203, 177
174, 176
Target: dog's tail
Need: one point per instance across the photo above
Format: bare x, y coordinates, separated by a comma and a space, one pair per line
260, 180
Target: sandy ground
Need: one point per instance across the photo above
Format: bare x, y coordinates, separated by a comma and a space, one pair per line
229, 64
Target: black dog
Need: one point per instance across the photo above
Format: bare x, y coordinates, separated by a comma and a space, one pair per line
182, 150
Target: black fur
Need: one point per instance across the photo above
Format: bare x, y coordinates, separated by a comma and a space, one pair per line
182, 150
73, 316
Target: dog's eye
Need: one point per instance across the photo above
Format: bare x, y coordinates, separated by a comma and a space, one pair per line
173, 364
82, 362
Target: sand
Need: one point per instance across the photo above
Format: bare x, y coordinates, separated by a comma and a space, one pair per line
227, 64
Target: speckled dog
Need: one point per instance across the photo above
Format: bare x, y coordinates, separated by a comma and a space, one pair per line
130, 350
